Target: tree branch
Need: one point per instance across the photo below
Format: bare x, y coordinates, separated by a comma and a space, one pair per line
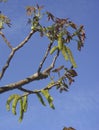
28, 92
36, 76
7, 63
52, 64
25, 40
6, 41
13, 52
46, 54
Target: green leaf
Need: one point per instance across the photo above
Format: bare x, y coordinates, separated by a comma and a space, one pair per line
40, 99
48, 97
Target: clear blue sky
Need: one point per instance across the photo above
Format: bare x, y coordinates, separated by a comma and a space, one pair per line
79, 107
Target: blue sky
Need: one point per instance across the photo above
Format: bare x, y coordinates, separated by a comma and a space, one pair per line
79, 107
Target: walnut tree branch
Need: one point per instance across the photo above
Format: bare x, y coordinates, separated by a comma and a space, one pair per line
25, 40
7, 63
6, 41
25, 90
13, 52
52, 64
12, 86
46, 54
28, 92
36, 76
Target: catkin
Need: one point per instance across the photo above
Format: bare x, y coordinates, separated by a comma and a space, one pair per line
11, 97
21, 110
14, 104
25, 103
53, 49
71, 58
60, 41
64, 52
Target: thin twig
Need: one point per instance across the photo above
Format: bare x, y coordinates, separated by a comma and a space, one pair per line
7, 63
13, 52
45, 56
25, 40
28, 92
6, 41
25, 90
47, 71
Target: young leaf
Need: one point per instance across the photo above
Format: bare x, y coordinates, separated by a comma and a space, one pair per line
40, 99
50, 16
73, 25
4, 20
48, 97
80, 44
72, 72
30, 10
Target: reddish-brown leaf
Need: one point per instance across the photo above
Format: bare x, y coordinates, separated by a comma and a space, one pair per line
30, 10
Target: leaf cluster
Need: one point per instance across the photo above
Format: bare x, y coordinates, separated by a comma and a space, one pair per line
4, 20
65, 80
58, 31
59, 28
